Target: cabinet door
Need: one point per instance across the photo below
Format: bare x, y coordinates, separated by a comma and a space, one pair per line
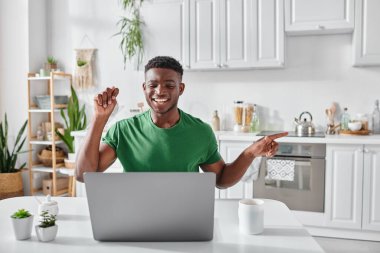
319, 16
371, 188
268, 32
236, 33
344, 174
366, 42
204, 34
230, 150
166, 29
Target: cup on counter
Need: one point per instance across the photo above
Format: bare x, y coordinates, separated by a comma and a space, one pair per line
251, 216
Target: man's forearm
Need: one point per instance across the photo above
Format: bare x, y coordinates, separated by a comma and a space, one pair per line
88, 158
232, 172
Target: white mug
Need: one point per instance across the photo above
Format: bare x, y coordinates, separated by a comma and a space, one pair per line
251, 216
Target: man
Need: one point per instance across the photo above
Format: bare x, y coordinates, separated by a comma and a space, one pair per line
163, 138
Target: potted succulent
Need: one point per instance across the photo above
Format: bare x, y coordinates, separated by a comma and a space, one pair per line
51, 64
22, 222
10, 176
47, 229
75, 120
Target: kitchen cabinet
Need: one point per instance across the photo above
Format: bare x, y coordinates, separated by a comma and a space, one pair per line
166, 29
366, 39
352, 186
371, 188
230, 150
319, 16
236, 34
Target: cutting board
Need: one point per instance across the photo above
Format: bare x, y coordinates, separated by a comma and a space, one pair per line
359, 132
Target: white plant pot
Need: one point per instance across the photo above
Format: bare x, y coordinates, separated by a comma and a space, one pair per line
71, 156
23, 227
46, 234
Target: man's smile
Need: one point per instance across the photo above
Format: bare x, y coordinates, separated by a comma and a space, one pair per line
160, 100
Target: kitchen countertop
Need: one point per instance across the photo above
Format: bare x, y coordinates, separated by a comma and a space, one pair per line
328, 139
282, 232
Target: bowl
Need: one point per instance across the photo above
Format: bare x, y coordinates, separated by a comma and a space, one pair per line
355, 125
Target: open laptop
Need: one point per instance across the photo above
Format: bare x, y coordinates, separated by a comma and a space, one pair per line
151, 206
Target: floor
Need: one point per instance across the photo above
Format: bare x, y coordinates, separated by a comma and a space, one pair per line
333, 245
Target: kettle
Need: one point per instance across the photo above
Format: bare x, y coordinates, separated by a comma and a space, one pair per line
304, 127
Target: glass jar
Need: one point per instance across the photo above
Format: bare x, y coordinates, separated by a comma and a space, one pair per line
247, 116
238, 115
255, 123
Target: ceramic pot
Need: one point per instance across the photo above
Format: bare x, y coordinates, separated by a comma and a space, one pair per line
23, 227
46, 234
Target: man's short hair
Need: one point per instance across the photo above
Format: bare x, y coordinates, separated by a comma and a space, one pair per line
165, 62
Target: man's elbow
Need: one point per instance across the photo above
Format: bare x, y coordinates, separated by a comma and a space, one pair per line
79, 175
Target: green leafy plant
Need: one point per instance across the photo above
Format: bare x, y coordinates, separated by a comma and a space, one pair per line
8, 158
48, 220
81, 62
21, 214
51, 60
75, 120
131, 43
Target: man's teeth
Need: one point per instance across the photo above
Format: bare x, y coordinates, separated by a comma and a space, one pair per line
160, 100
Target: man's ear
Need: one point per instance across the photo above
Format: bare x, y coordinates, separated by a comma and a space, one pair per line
143, 85
181, 88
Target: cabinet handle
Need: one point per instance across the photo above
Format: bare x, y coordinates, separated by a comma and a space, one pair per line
224, 65
366, 150
359, 150
320, 27
218, 65
187, 66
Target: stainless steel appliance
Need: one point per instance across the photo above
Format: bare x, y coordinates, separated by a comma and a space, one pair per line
306, 191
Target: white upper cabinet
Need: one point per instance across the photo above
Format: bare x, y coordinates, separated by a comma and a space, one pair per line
229, 34
319, 16
268, 33
166, 29
367, 34
204, 34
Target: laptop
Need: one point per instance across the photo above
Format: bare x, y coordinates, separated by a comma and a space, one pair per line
151, 206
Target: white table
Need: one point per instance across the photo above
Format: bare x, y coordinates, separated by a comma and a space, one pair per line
282, 232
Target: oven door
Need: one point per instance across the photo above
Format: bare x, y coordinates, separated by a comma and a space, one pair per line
305, 193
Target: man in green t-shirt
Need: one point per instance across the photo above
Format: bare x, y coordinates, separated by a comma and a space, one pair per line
163, 138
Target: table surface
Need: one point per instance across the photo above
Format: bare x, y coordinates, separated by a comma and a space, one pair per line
282, 232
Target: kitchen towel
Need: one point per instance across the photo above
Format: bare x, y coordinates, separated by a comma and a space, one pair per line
252, 171
278, 169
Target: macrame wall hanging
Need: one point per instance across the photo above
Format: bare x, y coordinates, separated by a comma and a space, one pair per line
84, 76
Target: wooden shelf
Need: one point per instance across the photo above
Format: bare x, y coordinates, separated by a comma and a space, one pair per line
38, 142
36, 167
42, 110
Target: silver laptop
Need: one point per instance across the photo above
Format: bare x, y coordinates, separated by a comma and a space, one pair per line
148, 206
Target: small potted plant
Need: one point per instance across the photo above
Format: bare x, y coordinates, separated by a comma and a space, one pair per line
22, 222
47, 229
51, 64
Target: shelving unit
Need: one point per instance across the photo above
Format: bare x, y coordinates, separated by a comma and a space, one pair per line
34, 143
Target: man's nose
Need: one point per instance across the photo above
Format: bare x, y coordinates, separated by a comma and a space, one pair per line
160, 89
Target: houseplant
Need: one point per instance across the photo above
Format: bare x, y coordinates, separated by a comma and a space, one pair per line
75, 120
131, 43
10, 176
22, 222
47, 229
51, 64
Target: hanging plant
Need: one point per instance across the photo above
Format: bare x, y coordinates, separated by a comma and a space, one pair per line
131, 43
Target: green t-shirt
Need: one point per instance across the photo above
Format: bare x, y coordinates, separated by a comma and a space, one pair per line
142, 146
